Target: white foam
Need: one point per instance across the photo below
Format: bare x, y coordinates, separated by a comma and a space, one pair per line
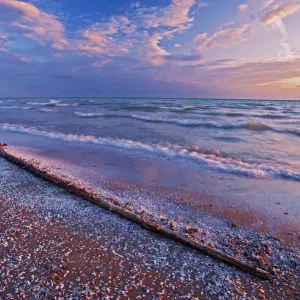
54, 101
15, 107
38, 103
47, 110
188, 107
252, 125
212, 160
89, 115
51, 102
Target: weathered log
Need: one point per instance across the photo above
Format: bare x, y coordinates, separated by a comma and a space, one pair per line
145, 223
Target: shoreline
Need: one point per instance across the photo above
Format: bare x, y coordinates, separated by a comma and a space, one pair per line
191, 237
277, 220
277, 248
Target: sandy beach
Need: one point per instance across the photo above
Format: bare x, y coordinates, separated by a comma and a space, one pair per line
54, 244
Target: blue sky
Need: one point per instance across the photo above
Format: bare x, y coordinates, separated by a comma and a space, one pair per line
153, 48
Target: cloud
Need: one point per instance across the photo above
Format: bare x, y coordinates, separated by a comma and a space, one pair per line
42, 27
22, 7
4, 42
243, 7
176, 15
222, 38
239, 78
279, 13
274, 15
104, 38
139, 46
202, 4
220, 64
138, 35
151, 52
161, 24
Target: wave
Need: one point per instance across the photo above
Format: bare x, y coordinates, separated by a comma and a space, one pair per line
148, 107
227, 114
67, 104
89, 115
138, 107
46, 110
251, 125
15, 107
214, 160
240, 114
53, 102
179, 109
271, 108
269, 116
50, 102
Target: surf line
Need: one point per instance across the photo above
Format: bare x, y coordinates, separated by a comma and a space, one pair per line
125, 211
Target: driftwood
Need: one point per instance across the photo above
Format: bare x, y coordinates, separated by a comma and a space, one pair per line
145, 223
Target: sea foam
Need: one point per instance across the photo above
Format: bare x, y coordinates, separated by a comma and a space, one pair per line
213, 160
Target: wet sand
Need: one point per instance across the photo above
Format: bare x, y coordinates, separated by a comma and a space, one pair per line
77, 247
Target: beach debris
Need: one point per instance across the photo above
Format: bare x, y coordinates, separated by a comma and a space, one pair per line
191, 230
3, 145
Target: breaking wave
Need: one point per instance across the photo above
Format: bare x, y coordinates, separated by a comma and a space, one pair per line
53, 102
182, 122
240, 114
89, 115
251, 125
179, 109
46, 110
15, 107
214, 160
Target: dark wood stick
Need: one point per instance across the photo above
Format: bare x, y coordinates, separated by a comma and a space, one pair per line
123, 212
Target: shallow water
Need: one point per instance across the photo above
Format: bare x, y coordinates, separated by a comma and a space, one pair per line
242, 150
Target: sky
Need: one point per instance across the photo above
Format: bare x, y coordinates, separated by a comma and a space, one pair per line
150, 48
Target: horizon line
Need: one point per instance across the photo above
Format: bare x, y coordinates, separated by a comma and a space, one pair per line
166, 98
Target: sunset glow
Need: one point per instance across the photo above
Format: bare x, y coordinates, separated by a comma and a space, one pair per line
178, 48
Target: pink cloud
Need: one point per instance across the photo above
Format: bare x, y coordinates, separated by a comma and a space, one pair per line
243, 7
22, 7
42, 27
280, 12
151, 52
97, 42
222, 38
176, 15
104, 38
